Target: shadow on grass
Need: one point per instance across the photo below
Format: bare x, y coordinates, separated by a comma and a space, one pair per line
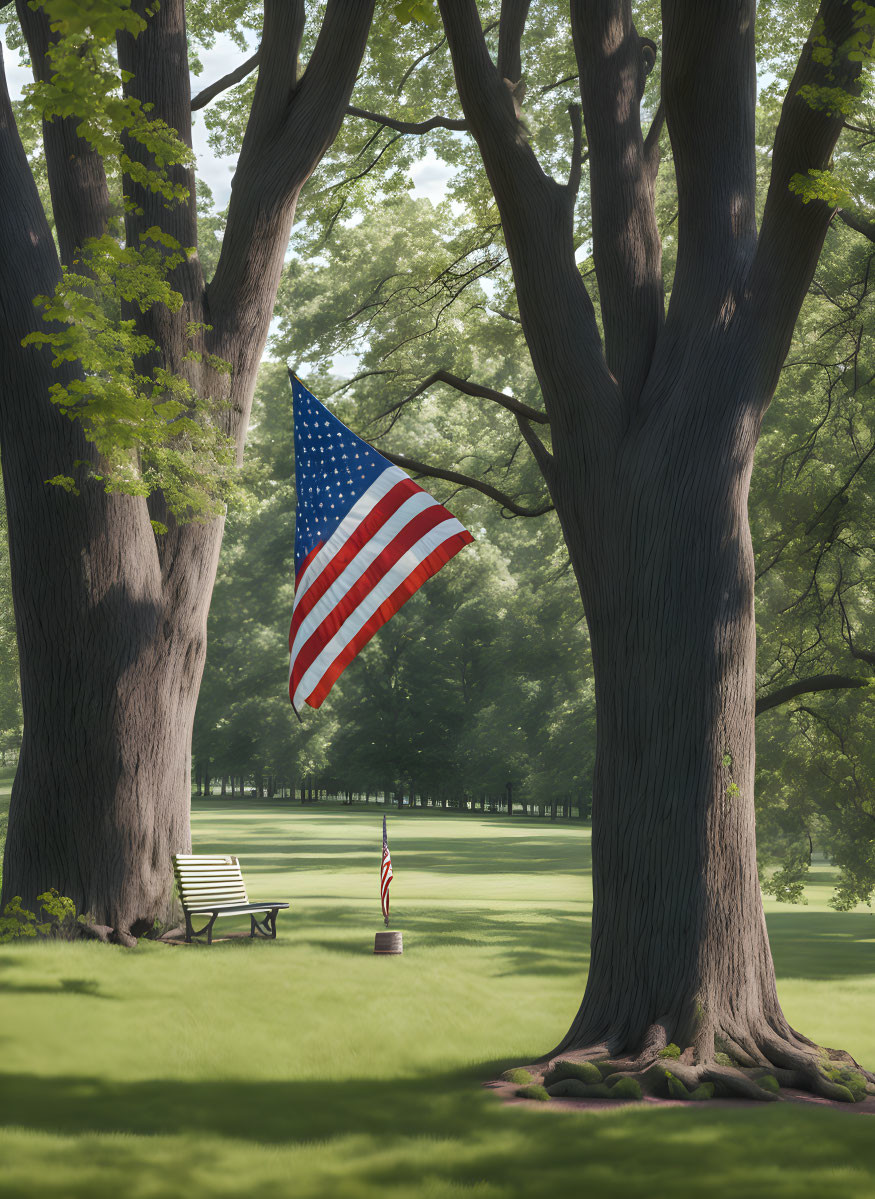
550, 944
822, 945
270, 851
63, 986
518, 1151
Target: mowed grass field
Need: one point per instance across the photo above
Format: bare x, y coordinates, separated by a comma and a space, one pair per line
309, 1067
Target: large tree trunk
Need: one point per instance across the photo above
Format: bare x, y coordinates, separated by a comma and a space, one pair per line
665, 565
653, 420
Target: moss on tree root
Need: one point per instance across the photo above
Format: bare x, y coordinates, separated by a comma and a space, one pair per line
675, 1073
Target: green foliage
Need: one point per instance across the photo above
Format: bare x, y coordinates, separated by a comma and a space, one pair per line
677, 1089
820, 185
149, 425
517, 1075
534, 1092
625, 1088
584, 1071
152, 427
60, 921
769, 1083
670, 1051
574, 1088
847, 1079
424, 11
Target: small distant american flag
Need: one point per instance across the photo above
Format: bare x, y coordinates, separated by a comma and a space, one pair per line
366, 538
386, 876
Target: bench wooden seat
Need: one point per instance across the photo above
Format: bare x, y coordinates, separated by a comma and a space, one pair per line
212, 885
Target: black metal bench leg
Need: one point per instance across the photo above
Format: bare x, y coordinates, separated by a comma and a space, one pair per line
191, 932
264, 928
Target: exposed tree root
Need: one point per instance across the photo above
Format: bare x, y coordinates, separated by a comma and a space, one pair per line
761, 1066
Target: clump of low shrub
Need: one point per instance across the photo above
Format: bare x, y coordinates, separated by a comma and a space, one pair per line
58, 919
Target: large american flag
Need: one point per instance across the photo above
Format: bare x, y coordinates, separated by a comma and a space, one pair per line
366, 538
386, 876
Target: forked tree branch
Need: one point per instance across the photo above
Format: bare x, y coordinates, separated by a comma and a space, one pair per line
537, 216
292, 123
77, 179
709, 94
613, 62
454, 476
820, 682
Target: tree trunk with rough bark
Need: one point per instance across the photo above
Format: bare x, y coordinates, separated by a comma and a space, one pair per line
111, 617
653, 434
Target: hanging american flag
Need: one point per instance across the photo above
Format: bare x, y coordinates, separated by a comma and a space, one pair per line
366, 538
386, 876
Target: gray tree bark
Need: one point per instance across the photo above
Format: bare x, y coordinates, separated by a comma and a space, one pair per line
653, 437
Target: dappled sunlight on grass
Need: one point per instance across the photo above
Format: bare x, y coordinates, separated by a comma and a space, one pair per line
308, 1066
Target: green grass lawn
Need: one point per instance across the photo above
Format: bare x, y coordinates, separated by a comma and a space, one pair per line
309, 1067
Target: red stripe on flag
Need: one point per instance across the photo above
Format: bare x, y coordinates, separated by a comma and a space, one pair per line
428, 567
376, 518
406, 537
299, 574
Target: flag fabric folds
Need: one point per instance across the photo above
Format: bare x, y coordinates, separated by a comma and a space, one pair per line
386, 876
366, 538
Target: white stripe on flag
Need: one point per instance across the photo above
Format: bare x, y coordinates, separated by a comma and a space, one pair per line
359, 564
357, 513
405, 566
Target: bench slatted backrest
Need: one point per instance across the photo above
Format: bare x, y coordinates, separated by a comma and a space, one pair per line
205, 880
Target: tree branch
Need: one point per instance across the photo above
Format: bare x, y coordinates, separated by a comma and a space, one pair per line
541, 454
511, 25
651, 141
709, 94
292, 123
77, 180
408, 126
793, 232
454, 476
203, 98
614, 62
577, 155
821, 682
486, 393
858, 223
157, 65
537, 216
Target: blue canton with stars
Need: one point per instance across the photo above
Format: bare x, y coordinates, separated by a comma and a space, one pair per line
333, 468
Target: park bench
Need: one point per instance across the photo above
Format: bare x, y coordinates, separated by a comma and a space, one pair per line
212, 885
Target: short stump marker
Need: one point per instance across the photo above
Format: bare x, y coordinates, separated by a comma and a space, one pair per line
388, 943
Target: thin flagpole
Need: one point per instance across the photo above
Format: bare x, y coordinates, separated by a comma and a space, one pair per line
385, 875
